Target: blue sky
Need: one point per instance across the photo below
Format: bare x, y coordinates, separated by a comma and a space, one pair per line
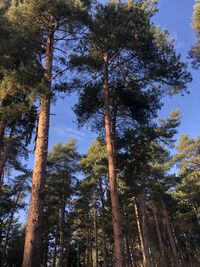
176, 16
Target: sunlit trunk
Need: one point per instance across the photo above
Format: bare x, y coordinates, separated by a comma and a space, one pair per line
33, 244
116, 213
139, 228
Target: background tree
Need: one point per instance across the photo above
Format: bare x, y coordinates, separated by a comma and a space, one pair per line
54, 21
61, 178
195, 51
120, 70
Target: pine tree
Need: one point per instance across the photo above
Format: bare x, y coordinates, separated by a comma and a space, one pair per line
121, 70
62, 168
188, 162
195, 51
53, 21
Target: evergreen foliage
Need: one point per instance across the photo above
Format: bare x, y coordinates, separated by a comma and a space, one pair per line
133, 199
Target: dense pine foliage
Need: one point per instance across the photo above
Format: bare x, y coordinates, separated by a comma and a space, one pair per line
132, 200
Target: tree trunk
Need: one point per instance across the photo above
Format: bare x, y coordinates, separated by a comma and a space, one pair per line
5, 153
111, 255
32, 247
95, 228
10, 220
129, 259
55, 246
158, 233
78, 256
144, 229
139, 228
181, 258
104, 248
91, 248
170, 234
116, 213
197, 213
67, 252
2, 131
45, 251
62, 231
88, 254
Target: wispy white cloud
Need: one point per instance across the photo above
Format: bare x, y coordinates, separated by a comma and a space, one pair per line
67, 132
178, 44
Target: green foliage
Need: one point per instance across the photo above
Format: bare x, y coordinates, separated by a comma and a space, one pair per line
62, 169
195, 51
188, 161
143, 66
94, 163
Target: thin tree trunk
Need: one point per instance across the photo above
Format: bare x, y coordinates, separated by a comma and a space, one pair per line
91, 248
197, 213
158, 233
55, 246
95, 228
178, 248
10, 220
67, 252
5, 153
2, 131
144, 229
116, 213
32, 247
139, 228
1, 233
129, 262
46, 248
88, 254
111, 256
170, 234
104, 248
78, 256
62, 231
132, 251
85, 257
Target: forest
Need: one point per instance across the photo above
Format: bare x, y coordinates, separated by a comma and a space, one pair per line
132, 198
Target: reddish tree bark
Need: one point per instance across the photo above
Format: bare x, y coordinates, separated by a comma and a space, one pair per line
116, 213
32, 247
